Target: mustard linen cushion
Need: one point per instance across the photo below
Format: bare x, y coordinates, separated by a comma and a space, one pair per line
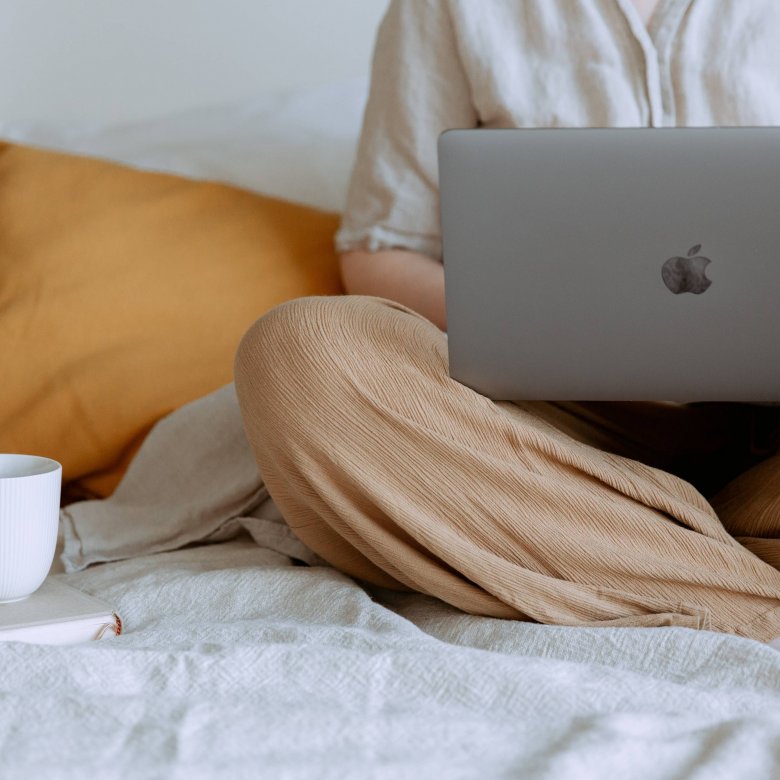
124, 294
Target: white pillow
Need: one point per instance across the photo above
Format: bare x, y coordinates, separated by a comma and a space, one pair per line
297, 145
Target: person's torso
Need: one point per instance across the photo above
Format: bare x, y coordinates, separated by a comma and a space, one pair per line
594, 63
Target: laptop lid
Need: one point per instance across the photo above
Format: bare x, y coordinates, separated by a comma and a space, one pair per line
613, 263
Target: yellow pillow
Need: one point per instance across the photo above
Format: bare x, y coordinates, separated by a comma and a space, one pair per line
124, 294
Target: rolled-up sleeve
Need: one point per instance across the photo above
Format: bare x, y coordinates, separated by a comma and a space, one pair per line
418, 89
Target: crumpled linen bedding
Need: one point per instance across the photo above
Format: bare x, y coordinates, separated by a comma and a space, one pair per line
235, 661
194, 479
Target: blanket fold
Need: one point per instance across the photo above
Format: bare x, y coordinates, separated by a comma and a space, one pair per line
194, 480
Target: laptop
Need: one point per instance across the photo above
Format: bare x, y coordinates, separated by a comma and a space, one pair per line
613, 264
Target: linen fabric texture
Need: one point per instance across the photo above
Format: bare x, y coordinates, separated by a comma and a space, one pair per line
442, 64
194, 480
124, 294
397, 475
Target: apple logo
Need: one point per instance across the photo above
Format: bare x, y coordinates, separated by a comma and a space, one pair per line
687, 274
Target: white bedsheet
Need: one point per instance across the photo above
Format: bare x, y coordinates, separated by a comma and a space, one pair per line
237, 663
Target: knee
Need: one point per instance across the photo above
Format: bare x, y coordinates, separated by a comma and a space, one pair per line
267, 367
294, 332
290, 349
317, 353
269, 343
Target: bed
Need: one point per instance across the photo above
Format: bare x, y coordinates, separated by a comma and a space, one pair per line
243, 654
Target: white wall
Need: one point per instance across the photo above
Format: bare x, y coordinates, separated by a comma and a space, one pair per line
96, 61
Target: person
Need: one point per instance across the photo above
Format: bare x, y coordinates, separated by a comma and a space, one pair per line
645, 513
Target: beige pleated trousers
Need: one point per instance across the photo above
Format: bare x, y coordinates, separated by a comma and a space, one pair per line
580, 514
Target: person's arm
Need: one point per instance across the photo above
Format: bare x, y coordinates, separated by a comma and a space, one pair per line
411, 278
389, 239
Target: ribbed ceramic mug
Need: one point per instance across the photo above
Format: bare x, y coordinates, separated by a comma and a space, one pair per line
29, 520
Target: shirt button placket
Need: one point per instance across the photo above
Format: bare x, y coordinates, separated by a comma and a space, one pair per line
664, 39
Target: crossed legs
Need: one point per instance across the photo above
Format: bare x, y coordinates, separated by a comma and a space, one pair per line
402, 477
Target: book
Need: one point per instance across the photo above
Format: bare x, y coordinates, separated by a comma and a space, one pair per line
58, 614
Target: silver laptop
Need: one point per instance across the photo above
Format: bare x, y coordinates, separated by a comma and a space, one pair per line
601, 264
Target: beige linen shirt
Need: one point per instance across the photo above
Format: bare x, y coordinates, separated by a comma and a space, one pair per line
442, 64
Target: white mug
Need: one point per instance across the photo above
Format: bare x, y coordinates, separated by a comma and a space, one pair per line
29, 521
